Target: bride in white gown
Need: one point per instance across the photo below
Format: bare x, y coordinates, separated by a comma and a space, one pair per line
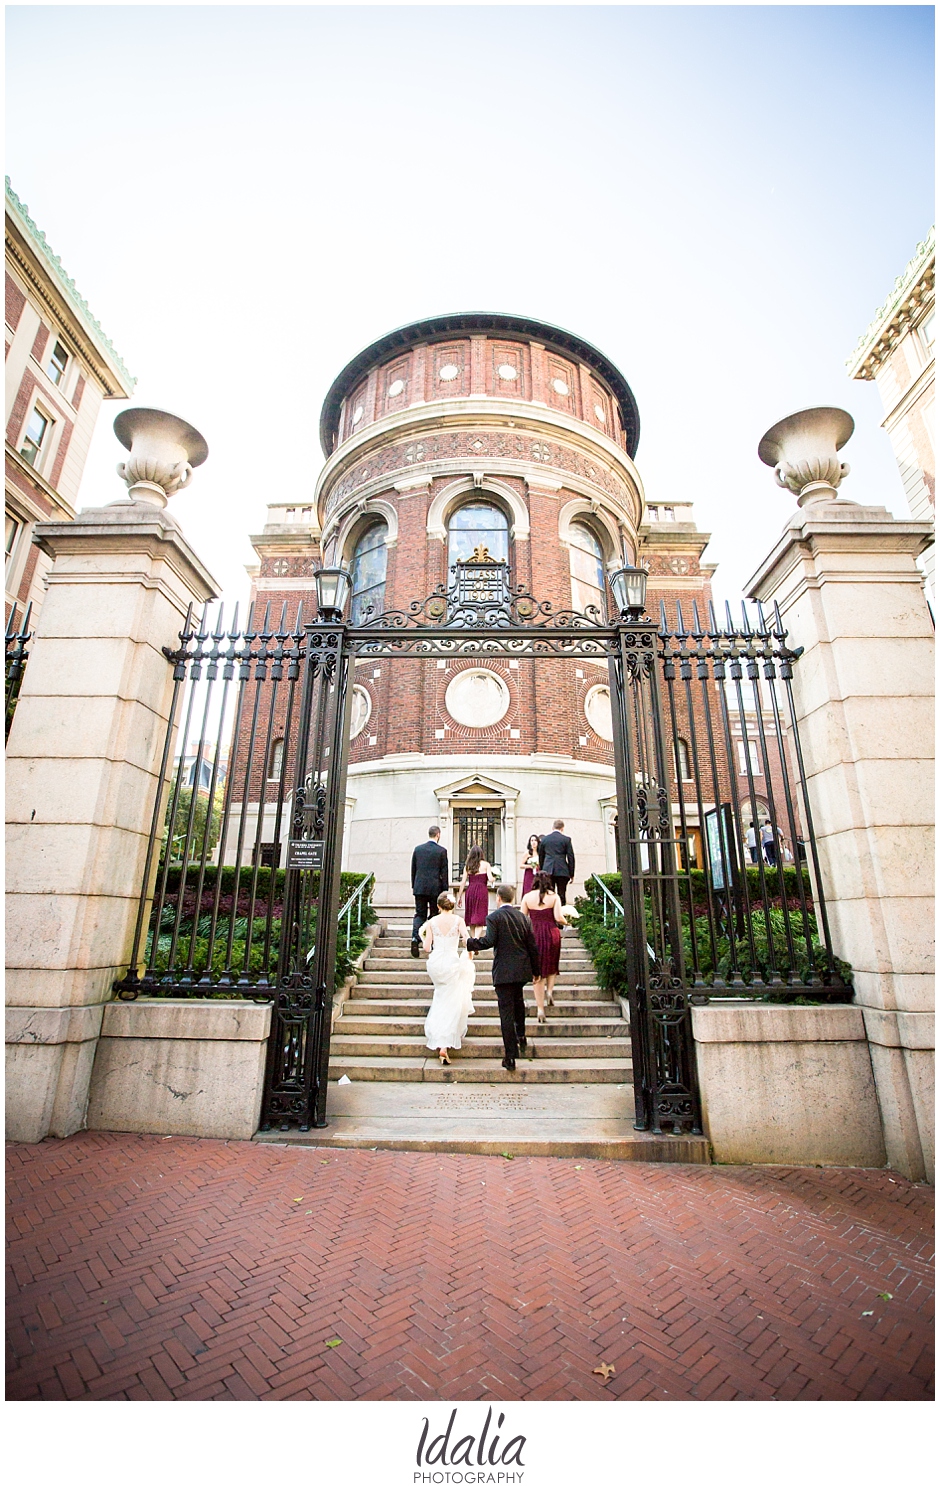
452, 971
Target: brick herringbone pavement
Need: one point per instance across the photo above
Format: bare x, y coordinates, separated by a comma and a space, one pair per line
197, 1269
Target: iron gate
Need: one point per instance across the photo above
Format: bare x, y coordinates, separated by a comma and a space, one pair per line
477, 826
674, 692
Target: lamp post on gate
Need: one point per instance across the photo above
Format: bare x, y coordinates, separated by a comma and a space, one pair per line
333, 586
629, 590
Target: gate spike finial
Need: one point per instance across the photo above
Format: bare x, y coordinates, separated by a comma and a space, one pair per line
746, 624
713, 622
681, 630
698, 632
663, 622
728, 619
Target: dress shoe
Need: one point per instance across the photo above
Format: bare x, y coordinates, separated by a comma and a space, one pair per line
509, 1064
523, 1044
415, 949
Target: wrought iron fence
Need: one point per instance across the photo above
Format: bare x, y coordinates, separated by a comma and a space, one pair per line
211, 909
731, 825
18, 636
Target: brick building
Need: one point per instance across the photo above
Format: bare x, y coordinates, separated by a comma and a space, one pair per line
451, 433
59, 368
897, 353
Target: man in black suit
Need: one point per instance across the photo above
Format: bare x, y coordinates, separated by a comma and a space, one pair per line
556, 857
516, 960
429, 877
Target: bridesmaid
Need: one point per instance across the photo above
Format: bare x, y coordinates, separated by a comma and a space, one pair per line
475, 889
530, 864
543, 907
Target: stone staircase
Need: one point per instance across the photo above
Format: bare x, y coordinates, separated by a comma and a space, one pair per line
379, 1035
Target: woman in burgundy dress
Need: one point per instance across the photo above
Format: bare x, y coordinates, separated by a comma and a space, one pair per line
543, 907
475, 889
530, 864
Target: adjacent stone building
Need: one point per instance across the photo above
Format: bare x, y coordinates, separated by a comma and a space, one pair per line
59, 367
897, 353
453, 433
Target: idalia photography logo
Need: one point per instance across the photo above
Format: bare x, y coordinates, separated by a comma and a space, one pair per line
487, 1458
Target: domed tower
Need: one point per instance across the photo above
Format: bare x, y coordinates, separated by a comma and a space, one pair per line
451, 434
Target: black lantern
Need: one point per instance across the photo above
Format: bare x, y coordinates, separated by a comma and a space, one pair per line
333, 585
629, 586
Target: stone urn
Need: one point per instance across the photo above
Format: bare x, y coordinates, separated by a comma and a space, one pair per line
803, 451
164, 451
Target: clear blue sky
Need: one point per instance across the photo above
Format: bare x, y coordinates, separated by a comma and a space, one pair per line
718, 197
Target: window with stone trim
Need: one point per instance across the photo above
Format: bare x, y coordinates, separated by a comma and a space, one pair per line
369, 564
685, 760
276, 761
36, 437
477, 524
588, 576
58, 362
13, 528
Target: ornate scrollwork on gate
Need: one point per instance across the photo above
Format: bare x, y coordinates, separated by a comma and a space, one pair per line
293, 1014
480, 612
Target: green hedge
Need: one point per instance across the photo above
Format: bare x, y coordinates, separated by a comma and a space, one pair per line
612, 881
257, 964
349, 881
605, 944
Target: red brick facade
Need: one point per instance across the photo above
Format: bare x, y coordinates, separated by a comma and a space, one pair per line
448, 437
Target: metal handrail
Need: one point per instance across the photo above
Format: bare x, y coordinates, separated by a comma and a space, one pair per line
357, 898
609, 897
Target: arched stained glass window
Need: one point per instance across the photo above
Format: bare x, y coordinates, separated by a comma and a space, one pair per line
477, 525
588, 579
369, 562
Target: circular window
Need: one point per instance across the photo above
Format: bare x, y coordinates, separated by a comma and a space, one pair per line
397, 388
598, 713
356, 417
599, 413
477, 699
448, 373
561, 387
361, 710
507, 372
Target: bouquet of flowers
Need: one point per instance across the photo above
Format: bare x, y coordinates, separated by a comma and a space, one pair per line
532, 863
496, 874
570, 913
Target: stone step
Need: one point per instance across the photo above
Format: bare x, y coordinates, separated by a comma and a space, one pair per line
483, 1070
399, 947
480, 1026
419, 976
382, 960
574, 1011
355, 1046
372, 990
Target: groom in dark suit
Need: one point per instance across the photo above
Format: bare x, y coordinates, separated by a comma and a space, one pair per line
429, 877
516, 960
556, 857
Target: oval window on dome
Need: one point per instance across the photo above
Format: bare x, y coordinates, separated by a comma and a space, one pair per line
357, 416
448, 373
477, 699
598, 713
561, 387
599, 413
507, 372
397, 388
